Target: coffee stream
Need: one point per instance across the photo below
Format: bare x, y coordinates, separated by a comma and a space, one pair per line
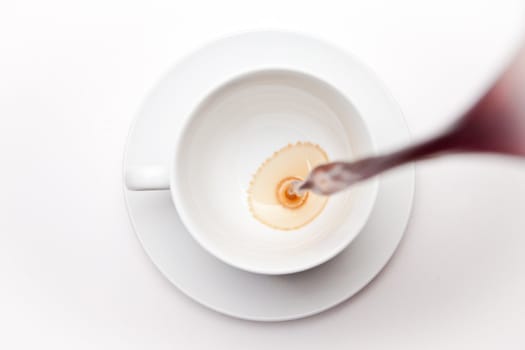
495, 124
269, 198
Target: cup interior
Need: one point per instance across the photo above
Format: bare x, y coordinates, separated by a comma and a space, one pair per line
229, 136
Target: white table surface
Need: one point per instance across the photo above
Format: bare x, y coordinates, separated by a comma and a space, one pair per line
74, 276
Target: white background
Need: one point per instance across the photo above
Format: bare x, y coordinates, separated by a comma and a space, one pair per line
72, 273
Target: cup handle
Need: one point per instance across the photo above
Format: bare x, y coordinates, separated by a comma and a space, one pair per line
147, 178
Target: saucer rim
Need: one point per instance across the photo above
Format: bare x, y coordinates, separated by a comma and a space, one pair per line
409, 174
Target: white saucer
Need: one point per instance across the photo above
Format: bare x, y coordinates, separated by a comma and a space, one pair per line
232, 291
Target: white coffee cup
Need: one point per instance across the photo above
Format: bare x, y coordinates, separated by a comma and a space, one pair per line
239, 122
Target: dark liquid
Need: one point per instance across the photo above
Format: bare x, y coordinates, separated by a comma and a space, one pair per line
496, 124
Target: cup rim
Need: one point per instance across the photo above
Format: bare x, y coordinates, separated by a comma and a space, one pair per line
195, 232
